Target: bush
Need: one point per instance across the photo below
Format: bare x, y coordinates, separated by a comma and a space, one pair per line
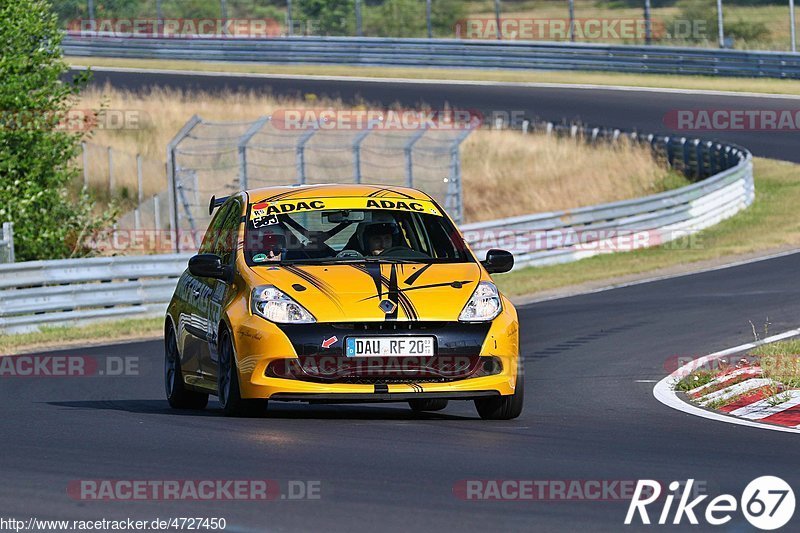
706, 13
329, 17
407, 18
35, 153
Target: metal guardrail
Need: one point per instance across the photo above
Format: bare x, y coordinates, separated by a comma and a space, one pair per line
53, 293
563, 236
7, 243
448, 53
69, 291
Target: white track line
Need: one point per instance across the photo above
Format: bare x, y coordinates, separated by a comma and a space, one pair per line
727, 377
665, 393
734, 390
432, 81
763, 408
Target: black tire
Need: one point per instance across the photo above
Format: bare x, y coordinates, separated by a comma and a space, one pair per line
421, 405
228, 391
503, 407
178, 396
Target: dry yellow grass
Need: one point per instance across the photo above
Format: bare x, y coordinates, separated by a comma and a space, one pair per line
505, 173
161, 113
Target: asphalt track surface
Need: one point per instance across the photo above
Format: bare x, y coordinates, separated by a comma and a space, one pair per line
631, 110
381, 468
587, 417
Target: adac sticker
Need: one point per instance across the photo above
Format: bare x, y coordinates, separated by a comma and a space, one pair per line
266, 210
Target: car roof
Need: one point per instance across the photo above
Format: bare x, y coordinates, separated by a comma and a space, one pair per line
332, 190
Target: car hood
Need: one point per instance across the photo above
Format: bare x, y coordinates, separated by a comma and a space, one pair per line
365, 292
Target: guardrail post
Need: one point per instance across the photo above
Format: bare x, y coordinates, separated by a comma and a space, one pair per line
670, 154
139, 180
357, 149
408, 150
156, 213
289, 21
8, 236
242, 147
700, 159
301, 154
685, 148
171, 171
85, 166
110, 172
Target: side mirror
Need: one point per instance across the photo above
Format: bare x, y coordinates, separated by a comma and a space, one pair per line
208, 266
498, 261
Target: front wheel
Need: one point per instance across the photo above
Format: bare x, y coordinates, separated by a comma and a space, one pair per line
228, 384
503, 407
178, 396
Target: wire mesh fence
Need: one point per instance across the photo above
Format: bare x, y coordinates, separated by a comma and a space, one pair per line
212, 158
704, 23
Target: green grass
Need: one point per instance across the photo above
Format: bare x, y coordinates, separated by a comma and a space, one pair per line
52, 337
753, 85
781, 361
695, 379
770, 223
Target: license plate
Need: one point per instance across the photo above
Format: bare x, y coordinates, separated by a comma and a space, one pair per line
389, 346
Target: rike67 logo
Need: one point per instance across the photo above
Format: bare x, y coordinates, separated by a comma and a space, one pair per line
767, 503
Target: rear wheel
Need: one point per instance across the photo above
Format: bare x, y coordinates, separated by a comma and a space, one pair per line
421, 405
228, 389
178, 395
503, 407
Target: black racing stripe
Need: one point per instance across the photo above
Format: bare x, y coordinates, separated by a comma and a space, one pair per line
276, 197
394, 294
320, 285
415, 276
430, 286
383, 192
373, 270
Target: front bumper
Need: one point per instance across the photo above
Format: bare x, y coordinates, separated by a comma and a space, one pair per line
375, 397
258, 343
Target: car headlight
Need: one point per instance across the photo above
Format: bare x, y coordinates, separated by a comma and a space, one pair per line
484, 305
276, 306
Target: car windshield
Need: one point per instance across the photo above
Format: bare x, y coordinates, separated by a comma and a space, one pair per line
320, 236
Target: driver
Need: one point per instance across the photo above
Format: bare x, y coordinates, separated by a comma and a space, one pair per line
379, 237
270, 242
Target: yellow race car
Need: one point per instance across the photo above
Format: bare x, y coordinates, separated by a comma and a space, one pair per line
340, 293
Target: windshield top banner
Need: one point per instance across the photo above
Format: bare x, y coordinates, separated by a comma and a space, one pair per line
287, 207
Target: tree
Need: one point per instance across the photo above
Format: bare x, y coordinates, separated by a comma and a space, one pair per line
328, 17
35, 147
